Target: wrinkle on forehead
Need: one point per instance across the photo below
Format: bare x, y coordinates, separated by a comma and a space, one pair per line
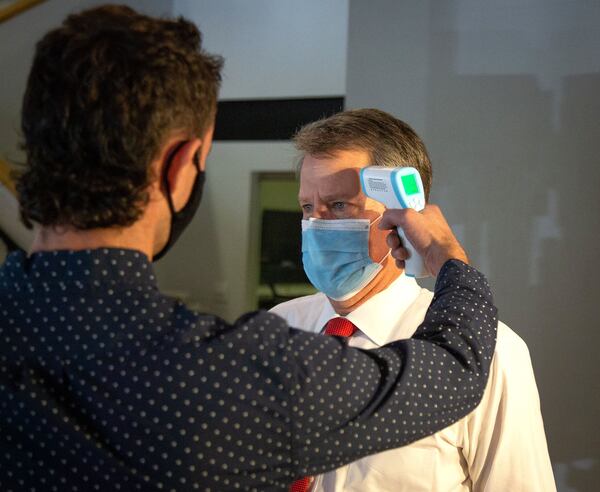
345, 182
330, 184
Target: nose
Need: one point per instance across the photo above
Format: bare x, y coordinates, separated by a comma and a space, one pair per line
321, 211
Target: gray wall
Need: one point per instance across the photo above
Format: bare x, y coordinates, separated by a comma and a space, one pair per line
506, 95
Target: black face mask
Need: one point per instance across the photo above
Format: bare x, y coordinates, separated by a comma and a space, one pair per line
180, 220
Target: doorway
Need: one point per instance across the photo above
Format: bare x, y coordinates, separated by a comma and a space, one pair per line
281, 276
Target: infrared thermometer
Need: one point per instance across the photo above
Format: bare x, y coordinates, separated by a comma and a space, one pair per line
398, 187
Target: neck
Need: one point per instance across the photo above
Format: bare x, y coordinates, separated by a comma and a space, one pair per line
386, 276
135, 237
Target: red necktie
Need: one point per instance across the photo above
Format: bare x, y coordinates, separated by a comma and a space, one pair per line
340, 327
337, 327
301, 485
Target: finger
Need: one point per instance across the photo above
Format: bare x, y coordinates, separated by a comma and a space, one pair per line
400, 253
393, 240
392, 218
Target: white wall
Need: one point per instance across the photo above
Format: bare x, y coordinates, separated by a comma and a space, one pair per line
275, 48
272, 49
506, 95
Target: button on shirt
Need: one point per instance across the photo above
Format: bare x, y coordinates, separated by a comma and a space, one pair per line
500, 446
106, 384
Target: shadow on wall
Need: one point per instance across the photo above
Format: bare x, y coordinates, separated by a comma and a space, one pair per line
535, 228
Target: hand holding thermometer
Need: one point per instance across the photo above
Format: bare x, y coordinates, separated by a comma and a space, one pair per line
397, 187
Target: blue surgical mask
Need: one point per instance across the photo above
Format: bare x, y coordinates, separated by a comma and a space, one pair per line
335, 255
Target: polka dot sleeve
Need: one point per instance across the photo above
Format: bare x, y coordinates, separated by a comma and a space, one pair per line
349, 403
107, 384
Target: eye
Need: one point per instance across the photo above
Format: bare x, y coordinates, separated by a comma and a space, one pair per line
306, 208
338, 206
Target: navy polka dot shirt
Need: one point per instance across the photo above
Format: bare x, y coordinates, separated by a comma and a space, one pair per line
106, 384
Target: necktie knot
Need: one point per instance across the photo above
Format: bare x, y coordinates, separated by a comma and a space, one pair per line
340, 327
301, 485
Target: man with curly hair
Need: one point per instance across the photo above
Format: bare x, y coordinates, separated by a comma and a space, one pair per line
107, 384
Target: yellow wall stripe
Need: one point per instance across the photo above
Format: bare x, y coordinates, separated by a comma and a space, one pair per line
16, 7
5, 177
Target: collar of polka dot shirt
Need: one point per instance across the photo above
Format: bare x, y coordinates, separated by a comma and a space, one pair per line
106, 384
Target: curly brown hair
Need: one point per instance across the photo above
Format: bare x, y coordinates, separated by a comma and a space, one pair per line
105, 91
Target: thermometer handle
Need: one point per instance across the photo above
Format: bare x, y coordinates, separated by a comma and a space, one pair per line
414, 265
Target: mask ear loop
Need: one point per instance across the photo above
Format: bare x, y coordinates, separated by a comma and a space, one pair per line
380, 262
375, 220
385, 257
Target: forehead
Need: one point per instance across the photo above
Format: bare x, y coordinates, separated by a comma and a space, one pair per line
337, 173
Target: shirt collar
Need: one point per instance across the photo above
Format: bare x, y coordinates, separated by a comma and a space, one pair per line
378, 317
102, 264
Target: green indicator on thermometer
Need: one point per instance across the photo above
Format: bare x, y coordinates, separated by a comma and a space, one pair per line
410, 184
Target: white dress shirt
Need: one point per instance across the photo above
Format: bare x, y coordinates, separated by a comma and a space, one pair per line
500, 446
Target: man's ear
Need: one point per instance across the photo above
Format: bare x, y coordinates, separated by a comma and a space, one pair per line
182, 167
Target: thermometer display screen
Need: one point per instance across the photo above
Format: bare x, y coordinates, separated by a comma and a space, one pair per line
410, 184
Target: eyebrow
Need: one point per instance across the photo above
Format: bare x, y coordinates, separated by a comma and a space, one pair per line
333, 197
